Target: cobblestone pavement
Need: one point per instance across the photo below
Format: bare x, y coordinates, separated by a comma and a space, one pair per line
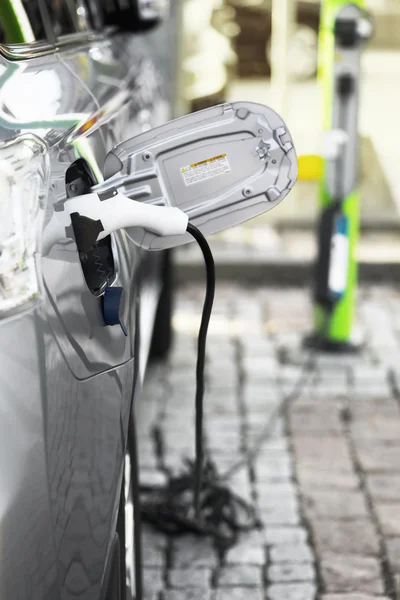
327, 481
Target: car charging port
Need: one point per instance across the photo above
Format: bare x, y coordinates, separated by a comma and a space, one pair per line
97, 262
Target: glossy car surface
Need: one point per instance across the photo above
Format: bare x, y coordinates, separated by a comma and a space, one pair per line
67, 381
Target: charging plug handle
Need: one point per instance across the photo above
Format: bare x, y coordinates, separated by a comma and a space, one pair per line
93, 217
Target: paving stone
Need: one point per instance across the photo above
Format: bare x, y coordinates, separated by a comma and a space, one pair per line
223, 426
152, 394
248, 556
291, 552
240, 484
154, 548
268, 500
152, 583
336, 363
151, 536
255, 426
362, 373
372, 388
378, 458
181, 449
352, 597
276, 430
181, 380
227, 440
267, 453
384, 487
186, 578
173, 425
377, 427
178, 408
220, 403
336, 385
357, 536
224, 460
369, 390
257, 345
190, 551
289, 373
240, 575
149, 477
225, 382
272, 500
259, 369
309, 418
236, 593
147, 457
259, 411
363, 406
175, 460
220, 357
220, 352
393, 551
389, 518
276, 467
280, 515
260, 392
271, 445
330, 451
350, 573
285, 535
311, 477
249, 550
288, 385
291, 591
335, 504
188, 594
259, 352
277, 490
291, 572
222, 376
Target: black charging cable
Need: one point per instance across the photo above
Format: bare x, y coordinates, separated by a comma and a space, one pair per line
201, 357
197, 500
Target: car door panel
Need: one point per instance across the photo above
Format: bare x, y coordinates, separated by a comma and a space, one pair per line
85, 458
28, 565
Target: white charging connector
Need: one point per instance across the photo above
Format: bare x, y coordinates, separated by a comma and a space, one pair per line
103, 215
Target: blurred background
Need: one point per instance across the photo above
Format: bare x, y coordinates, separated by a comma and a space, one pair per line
235, 50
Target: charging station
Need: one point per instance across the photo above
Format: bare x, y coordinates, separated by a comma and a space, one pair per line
344, 28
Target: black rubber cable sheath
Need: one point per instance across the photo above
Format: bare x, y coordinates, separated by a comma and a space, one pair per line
201, 356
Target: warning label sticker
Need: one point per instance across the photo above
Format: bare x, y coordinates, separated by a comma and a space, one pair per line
205, 169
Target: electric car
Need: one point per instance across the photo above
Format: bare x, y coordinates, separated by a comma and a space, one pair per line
73, 84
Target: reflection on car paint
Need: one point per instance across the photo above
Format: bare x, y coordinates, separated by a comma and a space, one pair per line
66, 380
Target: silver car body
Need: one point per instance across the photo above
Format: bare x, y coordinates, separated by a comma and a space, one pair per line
66, 380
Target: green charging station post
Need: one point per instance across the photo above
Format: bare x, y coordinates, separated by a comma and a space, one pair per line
344, 28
